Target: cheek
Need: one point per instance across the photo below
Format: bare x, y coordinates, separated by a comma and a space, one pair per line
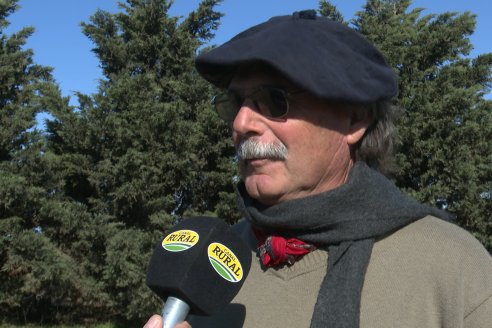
313, 141
315, 152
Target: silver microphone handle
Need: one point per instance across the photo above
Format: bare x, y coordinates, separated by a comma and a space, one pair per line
175, 311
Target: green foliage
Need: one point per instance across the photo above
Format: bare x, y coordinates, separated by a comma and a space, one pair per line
330, 11
127, 255
83, 203
87, 325
147, 142
139, 154
444, 154
38, 277
31, 266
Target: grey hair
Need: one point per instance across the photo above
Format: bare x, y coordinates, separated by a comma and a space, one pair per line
376, 146
251, 148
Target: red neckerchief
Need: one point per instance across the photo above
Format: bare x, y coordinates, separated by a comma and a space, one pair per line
275, 250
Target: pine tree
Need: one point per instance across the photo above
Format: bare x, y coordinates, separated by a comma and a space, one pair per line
147, 148
37, 273
444, 156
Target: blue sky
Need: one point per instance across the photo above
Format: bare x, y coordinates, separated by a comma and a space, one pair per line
58, 41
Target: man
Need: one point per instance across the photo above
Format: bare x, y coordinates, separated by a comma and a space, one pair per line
338, 245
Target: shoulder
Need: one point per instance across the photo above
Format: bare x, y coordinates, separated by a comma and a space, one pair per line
435, 257
433, 235
437, 243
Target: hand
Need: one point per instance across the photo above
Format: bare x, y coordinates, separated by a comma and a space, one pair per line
155, 321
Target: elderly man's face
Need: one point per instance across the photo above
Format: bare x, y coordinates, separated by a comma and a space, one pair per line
317, 138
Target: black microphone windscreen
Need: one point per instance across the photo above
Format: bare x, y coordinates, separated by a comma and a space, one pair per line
201, 261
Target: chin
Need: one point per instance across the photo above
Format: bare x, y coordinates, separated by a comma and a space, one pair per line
262, 195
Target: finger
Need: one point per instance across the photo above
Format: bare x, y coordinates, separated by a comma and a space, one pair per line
183, 324
155, 321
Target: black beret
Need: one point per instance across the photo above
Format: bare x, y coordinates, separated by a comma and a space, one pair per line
322, 56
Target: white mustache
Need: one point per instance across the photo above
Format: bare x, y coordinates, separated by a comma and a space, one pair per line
250, 149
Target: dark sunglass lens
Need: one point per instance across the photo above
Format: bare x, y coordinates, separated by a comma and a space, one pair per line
279, 106
227, 105
270, 102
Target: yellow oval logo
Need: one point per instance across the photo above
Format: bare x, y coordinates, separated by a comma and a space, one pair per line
180, 240
225, 262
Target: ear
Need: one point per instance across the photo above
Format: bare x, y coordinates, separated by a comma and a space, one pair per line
358, 126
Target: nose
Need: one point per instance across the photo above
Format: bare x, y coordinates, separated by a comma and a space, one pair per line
248, 121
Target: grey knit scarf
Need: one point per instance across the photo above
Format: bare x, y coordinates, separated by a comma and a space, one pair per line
346, 221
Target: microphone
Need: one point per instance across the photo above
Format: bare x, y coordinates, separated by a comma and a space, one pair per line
197, 268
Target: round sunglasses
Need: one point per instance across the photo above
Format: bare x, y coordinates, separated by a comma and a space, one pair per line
271, 102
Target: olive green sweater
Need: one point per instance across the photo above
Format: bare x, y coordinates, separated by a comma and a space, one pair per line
429, 274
